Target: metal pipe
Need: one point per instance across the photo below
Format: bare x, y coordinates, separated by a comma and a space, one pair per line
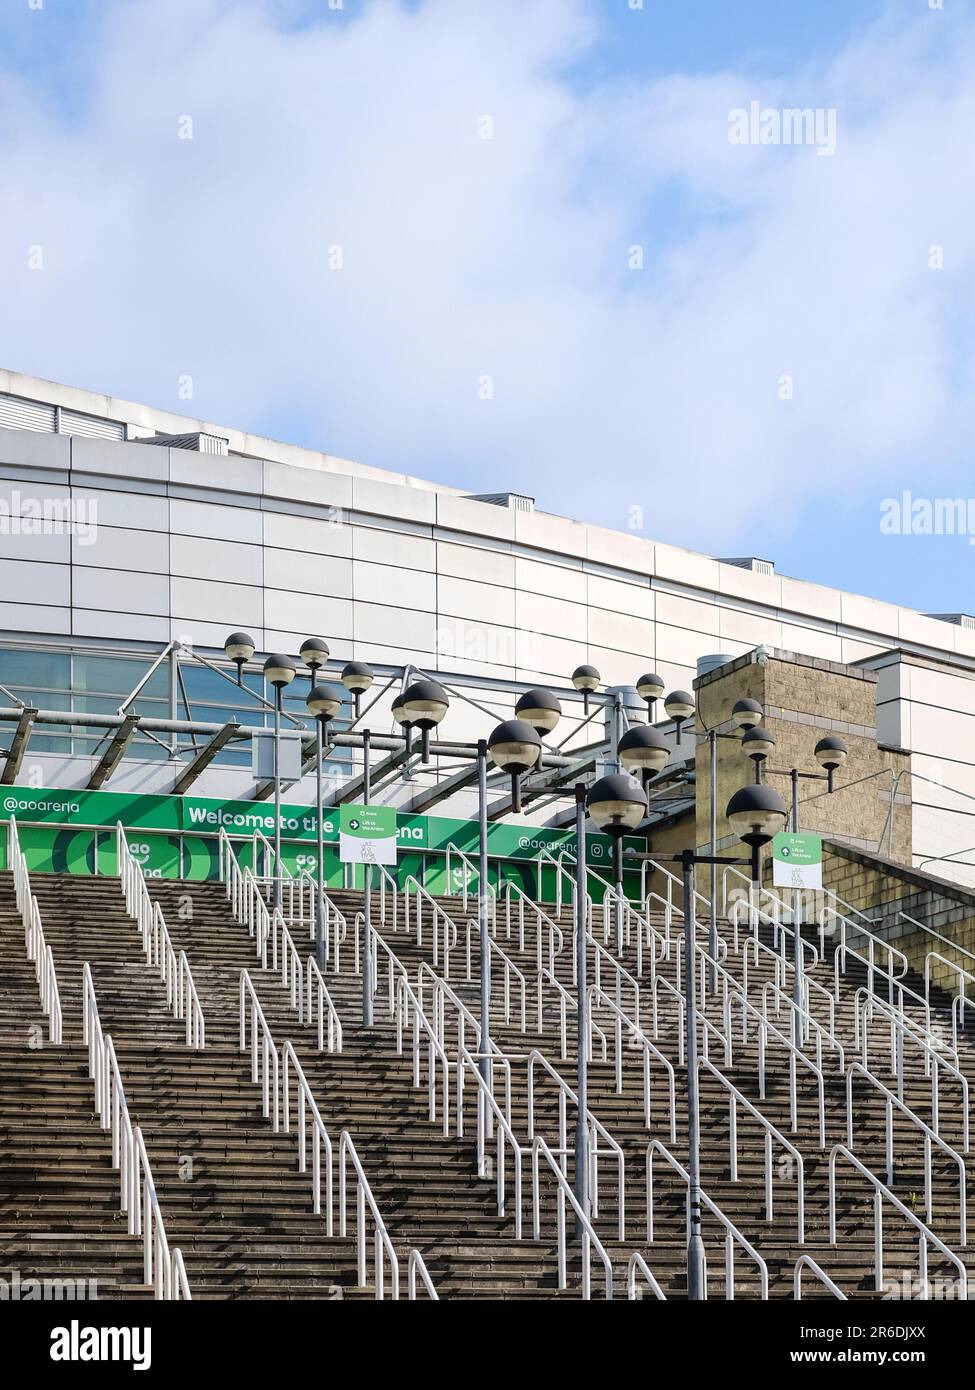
797, 981
713, 926
482, 905
696, 1259
582, 1039
277, 797
367, 892
320, 905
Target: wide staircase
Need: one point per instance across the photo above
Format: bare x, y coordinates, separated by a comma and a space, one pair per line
240, 1211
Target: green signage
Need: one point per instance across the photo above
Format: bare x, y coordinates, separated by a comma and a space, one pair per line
797, 860
367, 834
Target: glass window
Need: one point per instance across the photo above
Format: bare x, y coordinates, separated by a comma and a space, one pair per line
119, 675
34, 670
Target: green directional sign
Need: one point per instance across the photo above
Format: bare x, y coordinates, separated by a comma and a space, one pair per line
797, 860
367, 834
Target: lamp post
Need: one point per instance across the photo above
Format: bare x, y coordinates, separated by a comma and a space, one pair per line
324, 703
366, 891
279, 671
314, 653
357, 677
643, 751
680, 707
514, 747
239, 648
541, 710
616, 804
830, 752
757, 743
586, 679
650, 688
423, 705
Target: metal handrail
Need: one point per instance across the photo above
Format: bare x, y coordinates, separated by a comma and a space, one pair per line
955, 946
960, 1002
621, 974
930, 1136
590, 1239
637, 1262
508, 966
561, 872
414, 1266
471, 869
162, 1269
598, 1129
635, 1034
512, 889
38, 952
736, 1099
566, 1002
264, 1061
319, 1134
882, 1194
899, 1031
732, 1234
318, 991
174, 970
448, 923
807, 1262
796, 1055
809, 1023
487, 1105
364, 1198
292, 970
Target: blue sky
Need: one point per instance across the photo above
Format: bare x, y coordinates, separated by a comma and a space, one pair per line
513, 245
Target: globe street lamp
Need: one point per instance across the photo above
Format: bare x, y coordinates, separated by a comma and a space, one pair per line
680, 707
616, 804
313, 654
357, 677
515, 747
541, 710
757, 743
747, 713
324, 702
424, 704
586, 679
650, 688
644, 751
279, 671
399, 715
830, 752
756, 813
239, 648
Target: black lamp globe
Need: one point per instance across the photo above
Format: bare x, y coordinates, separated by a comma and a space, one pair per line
279, 670
747, 713
586, 679
680, 707
357, 677
239, 648
616, 803
314, 653
540, 709
831, 752
324, 701
755, 814
424, 704
758, 743
650, 688
643, 751
515, 748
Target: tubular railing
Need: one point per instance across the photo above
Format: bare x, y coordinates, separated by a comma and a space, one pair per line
305, 1103
487, 1107
635, 1038
255, 1033
336, 926
597, 1131
562, 875
767, 1029
620, 973
319, 1007
960, 1002
38, 952
935, 1061
807, 1262
547, 932
637, 1264
174, 970
163, 1269
590, 1240
567, 1001
811, 1027
883, 1194
383, 1251
733, 1236
930, 1138
442, 922
510, 972
736, 1099
471, 870
415, 1266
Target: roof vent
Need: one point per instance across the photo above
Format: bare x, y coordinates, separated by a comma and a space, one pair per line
516, 501
959, 619
749, 562
197, 441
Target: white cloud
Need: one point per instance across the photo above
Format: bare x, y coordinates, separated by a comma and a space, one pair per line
507, 257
